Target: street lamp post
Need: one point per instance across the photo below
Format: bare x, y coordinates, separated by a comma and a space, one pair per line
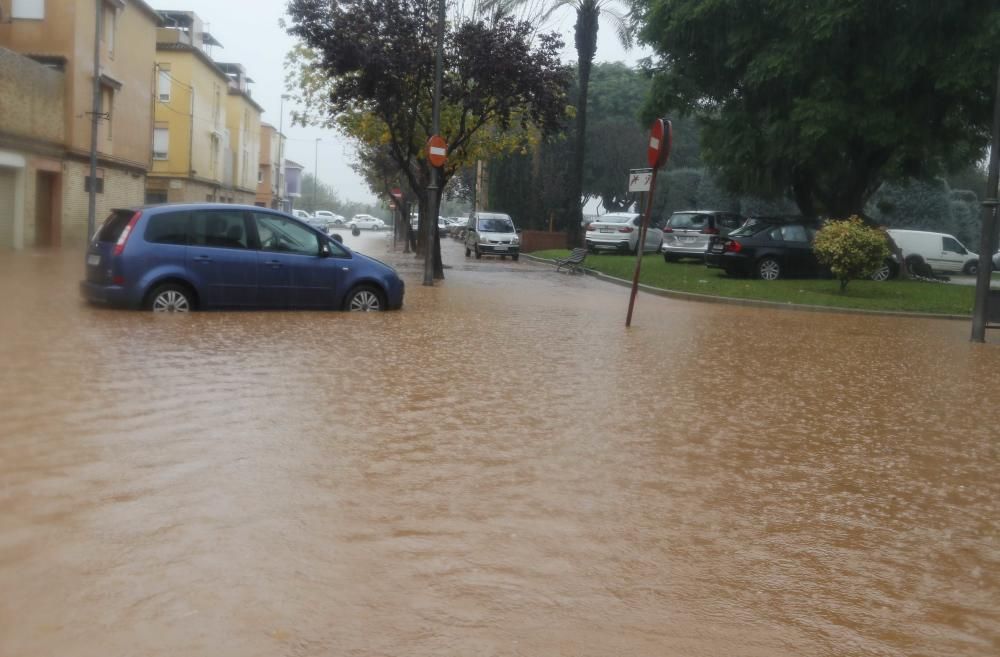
316, 172
281, 152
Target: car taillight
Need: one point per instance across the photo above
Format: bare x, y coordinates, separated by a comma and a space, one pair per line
668, 229
733, 246
591, 227
625, 229
123, 238
709, 231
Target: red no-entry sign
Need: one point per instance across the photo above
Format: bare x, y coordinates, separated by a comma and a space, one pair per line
437, 151
661, 138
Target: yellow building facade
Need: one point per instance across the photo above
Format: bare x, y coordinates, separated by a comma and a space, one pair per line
198, 127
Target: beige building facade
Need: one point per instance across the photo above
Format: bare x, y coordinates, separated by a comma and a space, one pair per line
243, 122
60, 34
32, 100
271, 174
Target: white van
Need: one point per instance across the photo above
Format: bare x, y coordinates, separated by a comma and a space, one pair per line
492, 233
941, 251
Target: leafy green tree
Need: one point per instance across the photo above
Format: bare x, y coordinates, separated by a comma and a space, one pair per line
851, 249
827, 99
367, 67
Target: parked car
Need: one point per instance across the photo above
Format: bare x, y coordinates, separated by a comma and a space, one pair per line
942, 252
301, 214
996, 260
619, 231
176, 258
323, 219
769, 248
491, 233
687, 234
366, 222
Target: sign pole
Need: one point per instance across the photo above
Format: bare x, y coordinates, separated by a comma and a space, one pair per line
641, 244
661, 137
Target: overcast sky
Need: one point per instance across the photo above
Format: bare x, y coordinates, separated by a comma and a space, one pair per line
250, 35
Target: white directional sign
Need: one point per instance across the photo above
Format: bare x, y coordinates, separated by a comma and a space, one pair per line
639, 179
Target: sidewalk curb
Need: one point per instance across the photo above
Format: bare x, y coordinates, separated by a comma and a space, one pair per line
758, 303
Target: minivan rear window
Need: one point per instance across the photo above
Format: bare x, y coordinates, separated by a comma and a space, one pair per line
688, 220
113, 226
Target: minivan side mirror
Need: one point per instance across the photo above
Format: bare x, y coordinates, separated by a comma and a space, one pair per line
519, 230
324, 250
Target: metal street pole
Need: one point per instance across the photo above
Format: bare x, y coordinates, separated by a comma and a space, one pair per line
95, 111
988, 232
315, 172
281, 152
641, 247
435, 187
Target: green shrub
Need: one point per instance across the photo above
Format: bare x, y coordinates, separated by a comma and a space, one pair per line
850, 249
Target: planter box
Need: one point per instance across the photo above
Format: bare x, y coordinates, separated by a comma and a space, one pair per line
540, 240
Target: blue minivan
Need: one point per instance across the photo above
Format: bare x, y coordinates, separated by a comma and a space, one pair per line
176, 258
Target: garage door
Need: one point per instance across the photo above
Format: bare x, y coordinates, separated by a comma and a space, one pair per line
7, 207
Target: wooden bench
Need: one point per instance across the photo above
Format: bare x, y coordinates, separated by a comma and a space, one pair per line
572, 262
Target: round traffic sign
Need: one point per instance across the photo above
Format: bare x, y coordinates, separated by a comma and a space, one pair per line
661, 137
437, 151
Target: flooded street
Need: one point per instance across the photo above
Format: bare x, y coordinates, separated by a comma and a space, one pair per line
498, 469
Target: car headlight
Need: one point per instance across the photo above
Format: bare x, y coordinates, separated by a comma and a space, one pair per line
515, 240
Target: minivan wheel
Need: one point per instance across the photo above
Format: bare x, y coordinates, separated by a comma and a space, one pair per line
478, 254
971, 268
768, 269
364, 299
170, 298
467, 252
667, 257
515, 256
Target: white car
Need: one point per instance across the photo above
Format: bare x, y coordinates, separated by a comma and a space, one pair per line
619, 231
366, 222
301, 214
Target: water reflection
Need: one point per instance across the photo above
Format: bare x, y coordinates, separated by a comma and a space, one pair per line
498, 469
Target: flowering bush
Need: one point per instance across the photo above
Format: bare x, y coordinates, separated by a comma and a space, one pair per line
850, 249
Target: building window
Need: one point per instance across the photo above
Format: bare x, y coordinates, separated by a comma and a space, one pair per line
108, 107
29, 9
163, 85
161, 143
109, 26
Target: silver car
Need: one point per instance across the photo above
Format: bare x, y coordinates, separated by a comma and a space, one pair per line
687, 234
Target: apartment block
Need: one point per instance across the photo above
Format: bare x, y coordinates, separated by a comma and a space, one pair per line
59, 35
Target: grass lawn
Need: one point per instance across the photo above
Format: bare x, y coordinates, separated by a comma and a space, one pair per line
690, 276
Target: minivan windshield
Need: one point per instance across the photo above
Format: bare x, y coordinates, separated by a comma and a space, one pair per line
496, 225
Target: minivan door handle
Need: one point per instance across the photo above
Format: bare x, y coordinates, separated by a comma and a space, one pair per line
275, 264
203, 259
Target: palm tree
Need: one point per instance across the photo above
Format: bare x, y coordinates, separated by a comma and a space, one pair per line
588, 15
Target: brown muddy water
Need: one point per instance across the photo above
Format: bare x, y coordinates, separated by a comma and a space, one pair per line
498, 469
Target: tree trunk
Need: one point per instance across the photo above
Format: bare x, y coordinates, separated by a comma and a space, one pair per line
586, 46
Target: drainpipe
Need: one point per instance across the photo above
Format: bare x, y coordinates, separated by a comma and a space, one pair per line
94, 121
